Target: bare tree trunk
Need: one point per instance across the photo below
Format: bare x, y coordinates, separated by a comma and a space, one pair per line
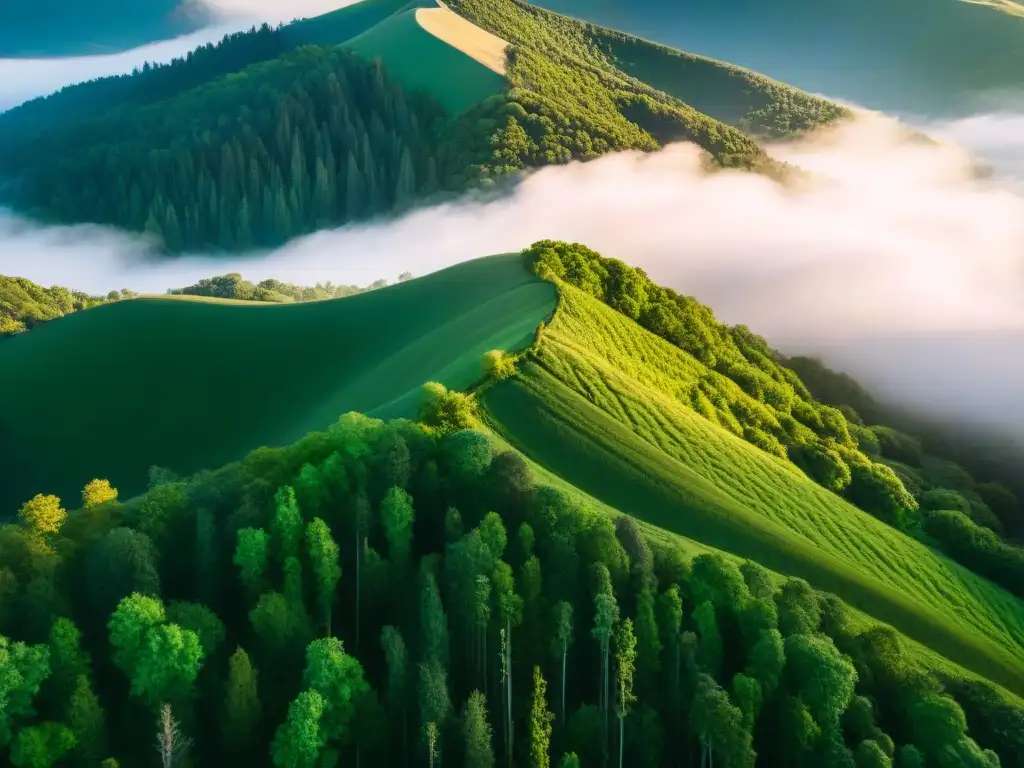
508, 664
565, 653
171, 744
622, 740
359, 557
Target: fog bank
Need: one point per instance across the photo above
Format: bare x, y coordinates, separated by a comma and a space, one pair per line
890, 240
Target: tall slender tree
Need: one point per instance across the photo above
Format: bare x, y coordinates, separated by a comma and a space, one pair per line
540, 724
625, 665
324, 559
563, 639
479, 752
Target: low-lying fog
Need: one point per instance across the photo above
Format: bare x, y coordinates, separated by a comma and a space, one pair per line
896, 263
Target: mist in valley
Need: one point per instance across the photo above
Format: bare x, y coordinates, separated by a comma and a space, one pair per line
894, 261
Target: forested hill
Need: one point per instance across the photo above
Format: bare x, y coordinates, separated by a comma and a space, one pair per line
24, 304
404, 593
923, 57
262, 138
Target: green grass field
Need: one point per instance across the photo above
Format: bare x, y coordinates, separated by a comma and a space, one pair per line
418, 60
191, 385
598, 405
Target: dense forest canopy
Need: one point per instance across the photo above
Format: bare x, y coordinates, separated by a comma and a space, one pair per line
394, 593
259, 138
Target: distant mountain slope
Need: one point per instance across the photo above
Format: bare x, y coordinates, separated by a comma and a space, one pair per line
918, 56
255, 141
73, 28
189, 384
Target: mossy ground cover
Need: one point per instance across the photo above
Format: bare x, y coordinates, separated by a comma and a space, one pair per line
598, 403
192, 384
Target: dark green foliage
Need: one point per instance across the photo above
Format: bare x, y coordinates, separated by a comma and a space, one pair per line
980, 549
251, 160
144, 85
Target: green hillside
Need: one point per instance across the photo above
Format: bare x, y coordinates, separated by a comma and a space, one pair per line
923, 57
592, 406
176, 150
189, 385
420, 61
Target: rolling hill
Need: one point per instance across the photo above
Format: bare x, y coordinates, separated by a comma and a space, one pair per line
432, 49
590, 406
934, 58
447, 98
604, 412
231, 378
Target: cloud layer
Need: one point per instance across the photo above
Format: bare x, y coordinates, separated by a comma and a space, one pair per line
891, 240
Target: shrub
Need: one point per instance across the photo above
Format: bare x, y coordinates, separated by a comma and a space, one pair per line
823, 464
445, 410
498, 366
876, 489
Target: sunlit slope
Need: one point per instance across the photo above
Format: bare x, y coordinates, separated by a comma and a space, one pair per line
933, 56
108, 392
597, 406
434, 50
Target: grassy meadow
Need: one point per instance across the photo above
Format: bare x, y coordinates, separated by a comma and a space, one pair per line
598, 403
188, 385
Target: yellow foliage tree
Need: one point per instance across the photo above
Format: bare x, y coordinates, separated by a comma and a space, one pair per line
43, 514
498, 365
97, 492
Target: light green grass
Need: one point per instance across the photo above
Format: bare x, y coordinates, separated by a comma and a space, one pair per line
189, 385
599, 405
418, 60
